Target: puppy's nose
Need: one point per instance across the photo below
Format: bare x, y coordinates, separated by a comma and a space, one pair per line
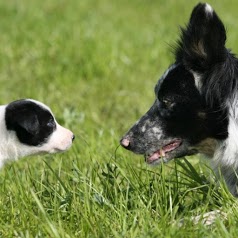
125, 142
73, 137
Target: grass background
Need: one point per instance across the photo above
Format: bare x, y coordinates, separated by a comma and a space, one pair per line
95, 63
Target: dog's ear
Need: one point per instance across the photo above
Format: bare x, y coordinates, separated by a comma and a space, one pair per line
22, 121
202, 42
28, 122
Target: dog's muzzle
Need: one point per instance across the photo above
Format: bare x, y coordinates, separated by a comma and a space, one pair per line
126, 142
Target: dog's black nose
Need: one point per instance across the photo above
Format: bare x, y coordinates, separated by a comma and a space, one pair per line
73, 137
125, 142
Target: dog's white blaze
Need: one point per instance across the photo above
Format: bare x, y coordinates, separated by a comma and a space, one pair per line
208, 8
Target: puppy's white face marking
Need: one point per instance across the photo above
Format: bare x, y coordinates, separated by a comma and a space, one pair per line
60, 140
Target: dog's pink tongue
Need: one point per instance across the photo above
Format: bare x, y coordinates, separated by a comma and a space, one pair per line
171, 146
156, 156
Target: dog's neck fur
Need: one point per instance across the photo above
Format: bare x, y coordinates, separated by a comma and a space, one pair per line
225, 156
225, 160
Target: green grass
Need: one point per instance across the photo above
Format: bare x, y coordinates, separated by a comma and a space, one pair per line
95, 63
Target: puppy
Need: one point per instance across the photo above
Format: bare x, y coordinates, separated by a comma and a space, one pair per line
28, 127
196, 105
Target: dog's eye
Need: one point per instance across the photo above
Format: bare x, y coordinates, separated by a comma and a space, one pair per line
50, 123
168, 103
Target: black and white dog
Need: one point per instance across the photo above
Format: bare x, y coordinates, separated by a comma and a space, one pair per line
196, 105
28, 127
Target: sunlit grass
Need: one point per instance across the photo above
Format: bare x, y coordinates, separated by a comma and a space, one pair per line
95, 63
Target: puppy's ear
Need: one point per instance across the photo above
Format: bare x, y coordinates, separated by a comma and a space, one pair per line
28, 122
202, 42
22, 122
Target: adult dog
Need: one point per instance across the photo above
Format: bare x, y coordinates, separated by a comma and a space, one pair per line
196, 106
28, 127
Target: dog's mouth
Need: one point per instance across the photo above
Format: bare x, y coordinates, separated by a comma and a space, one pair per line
163, 154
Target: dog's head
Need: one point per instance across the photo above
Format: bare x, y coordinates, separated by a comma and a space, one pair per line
30, 128
189, 113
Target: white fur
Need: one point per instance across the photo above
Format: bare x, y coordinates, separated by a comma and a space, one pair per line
197, 79
225, 160
41, 104
143, 128
208, 9
228, 153
156, 130
59, 141
12, 149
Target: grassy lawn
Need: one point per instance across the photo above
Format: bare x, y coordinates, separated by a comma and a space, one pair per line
95, 63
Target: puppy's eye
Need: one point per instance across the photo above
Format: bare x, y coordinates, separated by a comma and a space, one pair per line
50, 123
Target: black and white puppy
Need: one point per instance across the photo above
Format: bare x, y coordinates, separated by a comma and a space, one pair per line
28, 127
196, 105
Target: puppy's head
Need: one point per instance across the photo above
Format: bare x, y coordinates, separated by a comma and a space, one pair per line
33, 128
188, 115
